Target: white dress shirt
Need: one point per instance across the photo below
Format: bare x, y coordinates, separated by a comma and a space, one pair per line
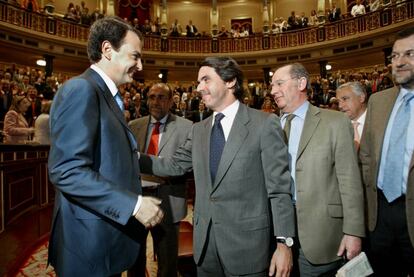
229, 116
361, 122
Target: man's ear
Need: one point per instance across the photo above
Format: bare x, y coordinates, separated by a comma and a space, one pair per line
231, 84
302, 83
106, 49
362, 98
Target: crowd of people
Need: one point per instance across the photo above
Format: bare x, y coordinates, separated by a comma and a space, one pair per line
187, 102
25, 100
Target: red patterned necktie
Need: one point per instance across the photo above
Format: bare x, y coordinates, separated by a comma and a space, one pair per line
155, 135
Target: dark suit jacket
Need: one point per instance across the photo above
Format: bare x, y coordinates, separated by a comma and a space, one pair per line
189, 33
94, 167
199, 116
335, 16
173, 194
380, 106
251, 192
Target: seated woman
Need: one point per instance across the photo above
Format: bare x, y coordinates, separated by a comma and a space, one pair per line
16, 129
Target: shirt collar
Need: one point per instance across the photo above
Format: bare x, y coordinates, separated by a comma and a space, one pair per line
108, 81
361, 119
230, 111
403, 92
299, 112
162, 121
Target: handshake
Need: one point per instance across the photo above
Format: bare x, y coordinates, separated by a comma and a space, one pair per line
149, 213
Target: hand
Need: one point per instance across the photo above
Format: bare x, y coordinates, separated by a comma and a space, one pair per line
149, 213
350, 245
281, 262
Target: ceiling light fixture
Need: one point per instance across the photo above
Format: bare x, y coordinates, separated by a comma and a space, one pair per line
41, 62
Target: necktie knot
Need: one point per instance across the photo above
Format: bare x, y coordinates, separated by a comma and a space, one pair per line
218, 118
408, 97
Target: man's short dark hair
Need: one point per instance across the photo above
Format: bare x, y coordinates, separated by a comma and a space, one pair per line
405, 33
110, 28
228, 70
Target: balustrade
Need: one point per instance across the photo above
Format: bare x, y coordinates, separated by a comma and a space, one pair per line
325, 32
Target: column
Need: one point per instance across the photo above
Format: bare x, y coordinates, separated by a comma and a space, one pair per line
49, 64
163, 21
266, 76
266, 24
164, 73
387, 52
214, 19
321, 8
322, 68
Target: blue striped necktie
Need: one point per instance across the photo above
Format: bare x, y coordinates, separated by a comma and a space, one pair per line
394, 165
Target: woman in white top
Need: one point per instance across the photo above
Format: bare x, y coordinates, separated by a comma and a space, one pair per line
42, 130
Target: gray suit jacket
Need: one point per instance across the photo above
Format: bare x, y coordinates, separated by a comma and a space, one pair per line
251, 192
328, 184
175, 132
379, 110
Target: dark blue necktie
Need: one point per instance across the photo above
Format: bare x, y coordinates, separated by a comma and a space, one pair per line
394, 166
217, 142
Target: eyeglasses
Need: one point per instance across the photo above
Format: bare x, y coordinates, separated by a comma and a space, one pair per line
279, 83
409, 54
160, 97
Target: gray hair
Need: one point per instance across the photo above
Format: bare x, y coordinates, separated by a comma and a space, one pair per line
357, 88
297, 70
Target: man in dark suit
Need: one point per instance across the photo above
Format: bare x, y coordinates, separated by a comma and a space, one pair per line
171, 133
386, 154
242, 180
35, 105
191, 29
303, 21
334, 13
93, 162
326, 185
201, 113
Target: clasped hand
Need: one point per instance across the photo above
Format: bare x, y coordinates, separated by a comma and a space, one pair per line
149, 213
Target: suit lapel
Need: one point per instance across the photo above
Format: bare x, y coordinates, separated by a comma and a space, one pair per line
205, 135
169, 130
142, 134
95, 79
382, 118
238, 134
311, 122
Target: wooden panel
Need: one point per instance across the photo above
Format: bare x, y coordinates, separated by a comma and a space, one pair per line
24, 182
21, 190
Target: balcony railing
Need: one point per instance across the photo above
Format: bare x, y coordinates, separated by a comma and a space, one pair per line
64, 29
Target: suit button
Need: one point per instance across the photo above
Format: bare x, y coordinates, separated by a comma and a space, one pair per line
213, 199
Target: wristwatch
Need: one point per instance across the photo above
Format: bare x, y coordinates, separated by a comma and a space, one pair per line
287, 241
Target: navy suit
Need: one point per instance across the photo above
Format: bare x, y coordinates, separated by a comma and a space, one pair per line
94, 167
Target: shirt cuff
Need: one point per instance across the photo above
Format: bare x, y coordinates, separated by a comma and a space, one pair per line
138, 205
